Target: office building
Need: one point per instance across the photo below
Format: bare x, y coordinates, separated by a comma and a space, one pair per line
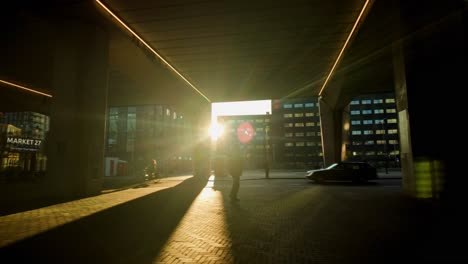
296, 137
138, 134
374, 130
252, 133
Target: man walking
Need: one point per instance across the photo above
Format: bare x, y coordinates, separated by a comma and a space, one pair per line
235, 167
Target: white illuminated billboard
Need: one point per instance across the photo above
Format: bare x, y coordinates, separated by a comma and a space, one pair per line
258, 107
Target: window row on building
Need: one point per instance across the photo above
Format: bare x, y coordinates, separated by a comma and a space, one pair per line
373, 101
301, 124
374, 122
374, 132
373, 111
300, 105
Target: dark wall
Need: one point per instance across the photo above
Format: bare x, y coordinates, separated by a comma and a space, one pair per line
436, 69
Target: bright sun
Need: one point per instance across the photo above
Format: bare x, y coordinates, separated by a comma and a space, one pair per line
216, 130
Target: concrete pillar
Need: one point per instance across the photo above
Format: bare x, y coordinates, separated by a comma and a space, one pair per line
202, 147
406, 153
331, 120
78, 111
428, 71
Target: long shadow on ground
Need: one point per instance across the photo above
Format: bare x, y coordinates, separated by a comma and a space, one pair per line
133, 232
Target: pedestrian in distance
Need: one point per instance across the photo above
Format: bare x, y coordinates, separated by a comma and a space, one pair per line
235, 168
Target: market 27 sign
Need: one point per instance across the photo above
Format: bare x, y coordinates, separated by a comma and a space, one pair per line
24, 143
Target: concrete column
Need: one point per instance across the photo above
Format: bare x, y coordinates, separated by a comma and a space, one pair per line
428, 73
331, 120
202, 142
406, 153
78, 110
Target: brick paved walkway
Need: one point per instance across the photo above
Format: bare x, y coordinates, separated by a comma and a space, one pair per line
186, 220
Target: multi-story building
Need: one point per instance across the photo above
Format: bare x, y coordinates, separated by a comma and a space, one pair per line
296, 139
374, 130
252, 132
138, 134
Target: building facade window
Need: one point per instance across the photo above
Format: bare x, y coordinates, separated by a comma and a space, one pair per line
379, 121
366, 101
298, 105
367, 122
366, 112
355, 112
355, 122
378, 111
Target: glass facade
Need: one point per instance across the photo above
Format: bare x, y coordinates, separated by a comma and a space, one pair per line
138, 134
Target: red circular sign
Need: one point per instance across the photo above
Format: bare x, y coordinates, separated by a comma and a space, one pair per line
245, 132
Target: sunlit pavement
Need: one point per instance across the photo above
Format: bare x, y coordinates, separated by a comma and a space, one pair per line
188, 220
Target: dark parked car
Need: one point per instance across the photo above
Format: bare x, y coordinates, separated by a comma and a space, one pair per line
354, 171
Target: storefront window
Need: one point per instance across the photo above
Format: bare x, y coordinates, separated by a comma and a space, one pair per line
22, 145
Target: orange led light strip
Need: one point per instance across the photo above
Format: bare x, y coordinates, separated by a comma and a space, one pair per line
25, 88
344, 47
151, 49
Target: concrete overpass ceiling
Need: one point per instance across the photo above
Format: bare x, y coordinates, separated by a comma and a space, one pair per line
245, 50
367, 66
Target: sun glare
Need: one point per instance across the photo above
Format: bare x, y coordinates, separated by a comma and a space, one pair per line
216, 130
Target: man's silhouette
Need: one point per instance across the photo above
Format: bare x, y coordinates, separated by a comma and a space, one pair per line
235, 167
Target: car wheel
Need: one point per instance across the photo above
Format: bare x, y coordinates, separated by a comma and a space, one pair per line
320, 179
362, 179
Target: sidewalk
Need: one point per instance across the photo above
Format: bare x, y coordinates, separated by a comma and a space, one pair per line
19, 226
